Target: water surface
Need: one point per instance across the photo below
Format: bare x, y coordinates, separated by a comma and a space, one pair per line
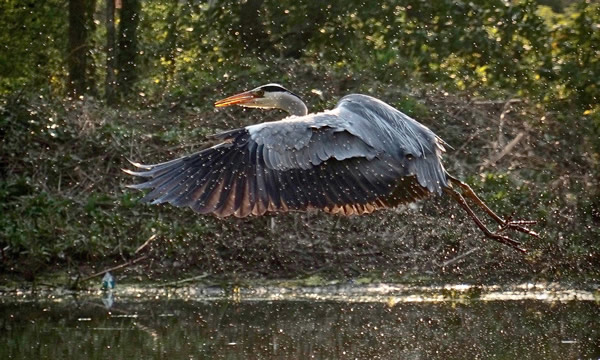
238, 326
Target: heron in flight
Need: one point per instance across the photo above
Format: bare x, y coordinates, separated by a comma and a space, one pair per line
359, 157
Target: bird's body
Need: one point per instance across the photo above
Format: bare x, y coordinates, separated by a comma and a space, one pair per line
359, 157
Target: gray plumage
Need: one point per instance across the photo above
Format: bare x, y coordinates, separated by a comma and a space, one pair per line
361, 156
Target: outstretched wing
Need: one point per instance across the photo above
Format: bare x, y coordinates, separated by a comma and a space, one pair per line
318, 161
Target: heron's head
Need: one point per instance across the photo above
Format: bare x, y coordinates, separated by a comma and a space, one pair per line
269, 96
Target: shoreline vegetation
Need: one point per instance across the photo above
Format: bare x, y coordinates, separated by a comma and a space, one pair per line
315, 289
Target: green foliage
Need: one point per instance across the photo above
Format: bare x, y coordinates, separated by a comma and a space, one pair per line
492, 45
575, 55
61, 188
32, 42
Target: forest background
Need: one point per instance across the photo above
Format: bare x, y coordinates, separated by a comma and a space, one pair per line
513, 86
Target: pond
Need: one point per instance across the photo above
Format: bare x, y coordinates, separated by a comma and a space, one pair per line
352, 322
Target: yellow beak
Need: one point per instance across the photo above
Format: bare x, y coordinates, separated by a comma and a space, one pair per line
240, 98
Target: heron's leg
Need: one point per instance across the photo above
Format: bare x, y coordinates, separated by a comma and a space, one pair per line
495, 236
504, 224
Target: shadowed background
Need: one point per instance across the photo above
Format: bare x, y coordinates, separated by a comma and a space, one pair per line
513, 87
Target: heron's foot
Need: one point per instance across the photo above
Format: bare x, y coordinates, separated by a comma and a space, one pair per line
504, 224
505, 240
518, 225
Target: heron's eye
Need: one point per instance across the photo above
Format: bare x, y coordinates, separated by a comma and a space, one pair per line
259, 93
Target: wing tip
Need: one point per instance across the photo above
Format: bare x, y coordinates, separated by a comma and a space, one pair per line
139, 165
140, 186
144, 174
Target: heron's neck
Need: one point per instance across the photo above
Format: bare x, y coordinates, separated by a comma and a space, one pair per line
292, 105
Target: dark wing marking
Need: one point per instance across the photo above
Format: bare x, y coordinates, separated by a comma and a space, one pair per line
233, 179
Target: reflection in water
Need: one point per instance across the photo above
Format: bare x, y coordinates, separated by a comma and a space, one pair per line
179, 329
108, 299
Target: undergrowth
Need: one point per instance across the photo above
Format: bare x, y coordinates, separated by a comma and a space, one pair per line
64, 204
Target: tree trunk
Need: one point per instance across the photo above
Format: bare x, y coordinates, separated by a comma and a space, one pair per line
111, 80
127, 55
90, 79
76, 58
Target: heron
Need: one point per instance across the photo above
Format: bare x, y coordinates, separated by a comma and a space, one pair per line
359, 157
